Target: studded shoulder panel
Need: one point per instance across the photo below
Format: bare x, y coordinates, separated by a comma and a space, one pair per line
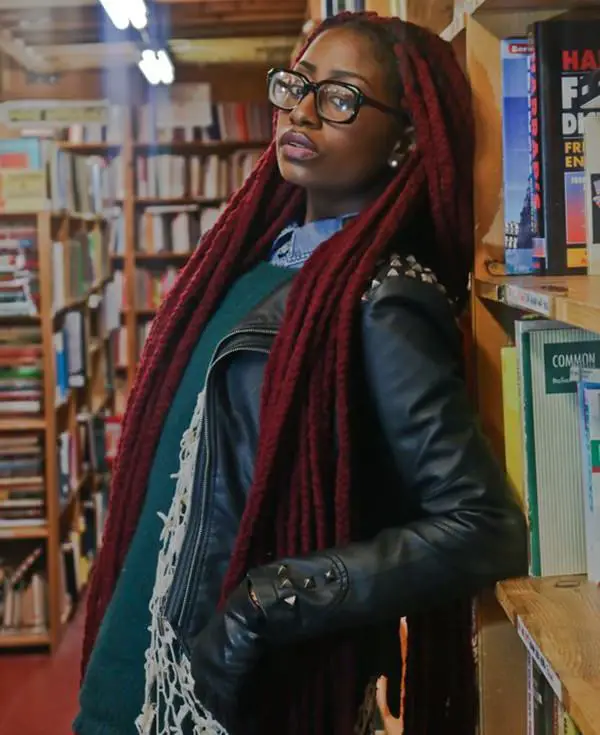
403, 266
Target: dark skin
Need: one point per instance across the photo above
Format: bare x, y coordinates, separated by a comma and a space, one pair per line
352, 166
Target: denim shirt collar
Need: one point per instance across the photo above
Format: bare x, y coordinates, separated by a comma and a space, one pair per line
296, 243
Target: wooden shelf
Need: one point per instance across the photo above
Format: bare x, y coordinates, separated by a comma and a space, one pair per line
558, 619
180, 201
21, 423
200, 148
23, 640
23, 532
74, 493
458, 23
155, 257
161, 257
477, 6
81, 301
53, 214
571, 299
91, 149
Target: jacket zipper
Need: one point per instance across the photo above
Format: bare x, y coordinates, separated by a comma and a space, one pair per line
194, 545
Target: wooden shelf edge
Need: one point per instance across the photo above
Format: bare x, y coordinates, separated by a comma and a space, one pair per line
200, 146
573, 300
17, 533
20, 423
558, 620
473, 7
457, 25
23, 640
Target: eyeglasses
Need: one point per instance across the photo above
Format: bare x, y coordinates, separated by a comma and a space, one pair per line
337, 102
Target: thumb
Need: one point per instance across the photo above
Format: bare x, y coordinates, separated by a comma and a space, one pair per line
391, 724
381, 697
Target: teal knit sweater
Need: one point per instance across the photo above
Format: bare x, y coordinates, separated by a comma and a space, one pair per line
113, 690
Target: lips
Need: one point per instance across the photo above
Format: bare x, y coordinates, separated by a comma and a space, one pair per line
297, 146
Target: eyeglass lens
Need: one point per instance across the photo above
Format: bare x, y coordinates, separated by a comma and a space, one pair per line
335, 102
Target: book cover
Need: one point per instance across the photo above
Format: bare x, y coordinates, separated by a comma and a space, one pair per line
588, 389
518, 247
511, 409
592, 189
548, 351
565, 52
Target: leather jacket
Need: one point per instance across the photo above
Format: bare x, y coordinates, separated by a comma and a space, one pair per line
438, 519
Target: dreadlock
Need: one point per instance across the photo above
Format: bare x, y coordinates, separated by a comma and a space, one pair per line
308, 378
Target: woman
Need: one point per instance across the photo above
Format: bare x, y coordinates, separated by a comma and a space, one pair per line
331, 477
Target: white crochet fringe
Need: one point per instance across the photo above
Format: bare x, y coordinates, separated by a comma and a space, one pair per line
170, 705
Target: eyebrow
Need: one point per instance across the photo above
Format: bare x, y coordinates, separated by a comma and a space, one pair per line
335, 73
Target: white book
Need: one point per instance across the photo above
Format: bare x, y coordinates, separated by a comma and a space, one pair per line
552, 442
592, 190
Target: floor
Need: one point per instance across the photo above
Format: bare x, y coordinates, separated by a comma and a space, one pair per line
38, 693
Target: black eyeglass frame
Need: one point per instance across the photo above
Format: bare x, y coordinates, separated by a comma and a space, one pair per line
361, 98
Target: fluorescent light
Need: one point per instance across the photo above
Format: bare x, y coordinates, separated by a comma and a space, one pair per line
157, 67
168, 70
122, 13
138, 14
117, 13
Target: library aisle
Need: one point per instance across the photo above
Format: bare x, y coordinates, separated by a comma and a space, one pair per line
125, 127
38, 693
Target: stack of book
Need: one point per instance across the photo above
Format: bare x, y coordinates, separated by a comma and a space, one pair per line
21, 370
19, 270
22, 490
546, 79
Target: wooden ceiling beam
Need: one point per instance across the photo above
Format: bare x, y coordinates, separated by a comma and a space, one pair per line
70, 24
188, 31
257, 50
22, 54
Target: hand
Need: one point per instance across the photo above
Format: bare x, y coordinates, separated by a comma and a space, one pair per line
224, 655
392, 725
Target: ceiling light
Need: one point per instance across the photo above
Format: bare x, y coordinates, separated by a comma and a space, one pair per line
122, 13
157, 67
138, 14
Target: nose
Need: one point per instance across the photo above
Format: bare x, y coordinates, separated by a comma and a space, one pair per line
305, 113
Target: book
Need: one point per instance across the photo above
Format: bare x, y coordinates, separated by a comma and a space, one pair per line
588, 390
553, 476
565, 51
518, 249
592, 189
511, 409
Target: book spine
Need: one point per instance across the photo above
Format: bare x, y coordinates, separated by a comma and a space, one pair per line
562, 48
535, 160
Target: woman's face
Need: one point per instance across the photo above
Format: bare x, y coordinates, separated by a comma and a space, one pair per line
347, 158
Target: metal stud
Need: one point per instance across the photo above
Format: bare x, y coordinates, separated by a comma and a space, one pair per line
309, 583
282, 570
285, 582
291, 601
330, 576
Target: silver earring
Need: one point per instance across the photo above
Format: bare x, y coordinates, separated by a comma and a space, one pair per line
394, 163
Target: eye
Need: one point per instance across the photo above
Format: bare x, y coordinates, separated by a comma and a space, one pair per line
343, 104
282, 87
339, 98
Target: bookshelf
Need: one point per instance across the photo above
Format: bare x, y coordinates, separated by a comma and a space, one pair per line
553, 620
51, 430
147, 193
558, 621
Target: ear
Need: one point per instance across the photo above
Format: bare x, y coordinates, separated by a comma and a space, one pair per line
404, 145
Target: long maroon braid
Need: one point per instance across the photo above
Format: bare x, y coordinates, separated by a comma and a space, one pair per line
307, 382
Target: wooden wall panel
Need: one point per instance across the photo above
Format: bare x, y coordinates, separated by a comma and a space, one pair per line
382, 7
432, 14
229, 83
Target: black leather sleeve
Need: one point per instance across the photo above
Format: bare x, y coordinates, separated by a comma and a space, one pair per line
471, 531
